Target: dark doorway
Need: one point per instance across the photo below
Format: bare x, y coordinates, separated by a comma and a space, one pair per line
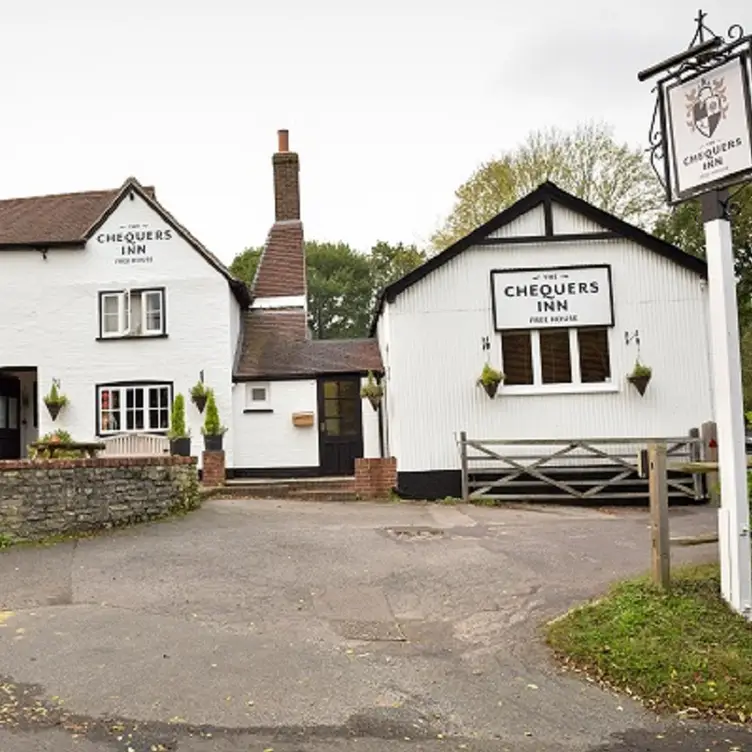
340, 425
10, 425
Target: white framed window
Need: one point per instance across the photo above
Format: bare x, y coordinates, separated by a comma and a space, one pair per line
257, 396
548, 359
134, 408
113, 311
132, 313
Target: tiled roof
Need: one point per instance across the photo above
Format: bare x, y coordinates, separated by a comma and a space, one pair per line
282, 270
274, 346
56, 219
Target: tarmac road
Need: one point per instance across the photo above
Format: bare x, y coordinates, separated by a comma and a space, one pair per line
304, 627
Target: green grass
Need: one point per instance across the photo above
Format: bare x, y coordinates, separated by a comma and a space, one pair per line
683, 651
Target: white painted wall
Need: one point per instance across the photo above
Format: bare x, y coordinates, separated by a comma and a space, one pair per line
430, 339
370, 418
269, 439
49, 319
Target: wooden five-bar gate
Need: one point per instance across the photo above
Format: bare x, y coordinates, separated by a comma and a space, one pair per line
578, 470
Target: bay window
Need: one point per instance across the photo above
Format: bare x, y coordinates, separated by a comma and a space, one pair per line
134, 407
555, 356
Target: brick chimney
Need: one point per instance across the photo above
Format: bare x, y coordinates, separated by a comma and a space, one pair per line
286, 183
280, 280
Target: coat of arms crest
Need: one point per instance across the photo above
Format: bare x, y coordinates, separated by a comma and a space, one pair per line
706, 106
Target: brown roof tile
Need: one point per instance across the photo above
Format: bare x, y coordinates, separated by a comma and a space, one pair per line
273, 346
282, 270
55, 219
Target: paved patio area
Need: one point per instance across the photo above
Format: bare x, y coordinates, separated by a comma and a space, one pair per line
253, 625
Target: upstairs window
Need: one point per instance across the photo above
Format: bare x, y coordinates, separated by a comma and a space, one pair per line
134, 407
132, 313
556, 356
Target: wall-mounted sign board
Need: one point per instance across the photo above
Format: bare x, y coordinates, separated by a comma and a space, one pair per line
544, 298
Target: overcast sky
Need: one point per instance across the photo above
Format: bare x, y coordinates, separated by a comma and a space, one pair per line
391, 104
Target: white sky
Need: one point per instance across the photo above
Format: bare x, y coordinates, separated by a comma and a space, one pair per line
391, 104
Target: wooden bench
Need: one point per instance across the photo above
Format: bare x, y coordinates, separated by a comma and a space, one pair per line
135, 445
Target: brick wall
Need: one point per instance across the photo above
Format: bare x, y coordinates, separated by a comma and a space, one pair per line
39, 498
286, 188
213, 469
375, 477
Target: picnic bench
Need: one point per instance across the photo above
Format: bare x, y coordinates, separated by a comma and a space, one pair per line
47, 449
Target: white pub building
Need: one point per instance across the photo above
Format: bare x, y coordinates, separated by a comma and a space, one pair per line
108, 297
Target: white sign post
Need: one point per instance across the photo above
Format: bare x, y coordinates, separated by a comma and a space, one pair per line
705, 141
733, 516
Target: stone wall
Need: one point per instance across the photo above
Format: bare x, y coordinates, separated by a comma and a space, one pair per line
39, 498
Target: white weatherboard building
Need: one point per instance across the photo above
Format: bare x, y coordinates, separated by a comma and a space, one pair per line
551, 292
106, 295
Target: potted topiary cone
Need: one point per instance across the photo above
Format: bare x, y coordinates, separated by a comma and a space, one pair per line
213, 430
372, 391
640, 377
180, 437
55, 401
490, 379
199, 394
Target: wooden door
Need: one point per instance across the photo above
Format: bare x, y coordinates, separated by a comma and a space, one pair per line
340, 425
10, 426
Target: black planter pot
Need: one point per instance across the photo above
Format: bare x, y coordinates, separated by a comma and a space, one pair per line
181, 447
213, 443
54, 409
375, 401
200, 402
491, 388
640, 383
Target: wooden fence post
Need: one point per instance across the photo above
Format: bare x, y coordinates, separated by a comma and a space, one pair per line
660, 540
709, 433
465, 479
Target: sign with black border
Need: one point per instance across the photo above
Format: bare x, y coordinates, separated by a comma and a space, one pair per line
577, 296
707, 124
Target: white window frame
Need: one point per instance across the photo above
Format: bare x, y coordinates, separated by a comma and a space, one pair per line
576, 385
145, 294
252, 405
125, 313
122, 409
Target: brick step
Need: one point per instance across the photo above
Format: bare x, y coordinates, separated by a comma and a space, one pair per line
309, 488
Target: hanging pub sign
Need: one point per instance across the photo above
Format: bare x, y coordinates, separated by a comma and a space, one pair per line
547, 298
708, 122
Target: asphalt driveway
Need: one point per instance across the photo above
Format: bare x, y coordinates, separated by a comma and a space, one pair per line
257, 625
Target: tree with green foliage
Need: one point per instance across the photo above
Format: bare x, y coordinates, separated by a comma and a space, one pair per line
587, 162
244, 265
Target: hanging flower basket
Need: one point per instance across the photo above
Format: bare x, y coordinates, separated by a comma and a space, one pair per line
640, 377
54, 409
490, 379
55, 401
372, 391
199, 395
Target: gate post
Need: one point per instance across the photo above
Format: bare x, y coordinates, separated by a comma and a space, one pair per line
709, 435
659, 533
463, 460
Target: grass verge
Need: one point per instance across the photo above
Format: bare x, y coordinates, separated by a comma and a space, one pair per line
684, 651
